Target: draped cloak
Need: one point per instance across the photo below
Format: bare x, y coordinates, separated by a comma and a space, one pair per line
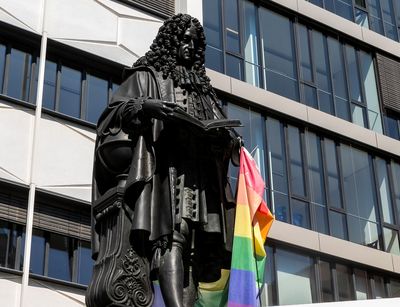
161, 151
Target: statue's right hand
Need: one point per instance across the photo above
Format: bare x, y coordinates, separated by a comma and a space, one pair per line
157, 109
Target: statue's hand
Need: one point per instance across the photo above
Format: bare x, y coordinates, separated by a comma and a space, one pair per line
157, 109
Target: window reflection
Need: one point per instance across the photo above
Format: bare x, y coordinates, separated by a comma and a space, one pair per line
97, 97
85, 263
2, 65
49, 87
19, 75
70, 93
59, 253
344, 282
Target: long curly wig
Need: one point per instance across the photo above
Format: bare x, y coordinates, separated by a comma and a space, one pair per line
164, 50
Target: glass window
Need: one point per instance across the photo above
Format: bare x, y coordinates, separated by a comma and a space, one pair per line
49, 89
214, 59
281, 203
2, 65
391, 240
379, 283
97, 96
321, 219
344, 282
396, 185
392, 127
85, 263
4, 237
70, 93
326, 281
267, 297
361, 284
19, 75
232, 25
279, 54
59, 252
354, 77
310, 95
361, 18
344, 8
300, 214
234, 67
38, 252
305, 56
333, 174
338, 225
297, 183
252, 73
375, 16
384, 190
212, 23
295, 278
315, 168
394, 288
389, 20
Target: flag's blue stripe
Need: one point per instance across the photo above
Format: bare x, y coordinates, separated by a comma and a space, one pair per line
243, 288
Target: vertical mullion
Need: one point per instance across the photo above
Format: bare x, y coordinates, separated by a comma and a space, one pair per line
330, 74
34, 68
18, 249
58, 87
289, 185
303, 151
260, 48
294, 26
318, 283
379, 203
346, 74
341, 186
391, 191
325, 183
223, 34
83, 98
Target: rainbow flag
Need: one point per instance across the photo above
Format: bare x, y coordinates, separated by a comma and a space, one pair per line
252, 223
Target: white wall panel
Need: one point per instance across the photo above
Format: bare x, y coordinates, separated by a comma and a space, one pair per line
9, 290
64, 159
24, 14
15, 134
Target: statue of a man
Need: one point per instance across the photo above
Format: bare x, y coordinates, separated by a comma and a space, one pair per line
173, 172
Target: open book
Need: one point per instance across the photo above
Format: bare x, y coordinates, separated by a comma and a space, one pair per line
206, 125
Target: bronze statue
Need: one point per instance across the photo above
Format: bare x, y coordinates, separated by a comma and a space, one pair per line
162, 204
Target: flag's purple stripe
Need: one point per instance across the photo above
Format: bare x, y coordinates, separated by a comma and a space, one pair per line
243, 288
158, 300
230, 304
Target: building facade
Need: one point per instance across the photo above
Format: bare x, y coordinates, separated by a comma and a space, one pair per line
315, 84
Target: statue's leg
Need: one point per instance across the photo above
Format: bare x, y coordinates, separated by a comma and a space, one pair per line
171, 271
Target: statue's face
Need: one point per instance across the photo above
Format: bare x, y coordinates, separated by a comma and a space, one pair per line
187, 47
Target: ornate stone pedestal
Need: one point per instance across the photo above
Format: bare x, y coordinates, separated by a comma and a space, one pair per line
120, 275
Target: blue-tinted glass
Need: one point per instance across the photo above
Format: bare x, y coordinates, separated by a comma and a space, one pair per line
59, 258
354, 77
317, 2
70, 94
85, 263
2, 64
276, 147
392, 127
382, 179
97, 95
361, 18
234, 67
342, 108
4, 235
296, 161
49, 89
37, 252
330, 5
320, 51
305, 56
375, 16
334, 198
338, 225
300, 214
344, 8
19, 75
214, 59
212, 22
232, 25
315, 168
338, 68
294, 275
281, 202
388, 11
279, 52
325, 102
321, 218
396, 185
358, 115
310, 96
390, 31
376, 25
282, 85
13, 248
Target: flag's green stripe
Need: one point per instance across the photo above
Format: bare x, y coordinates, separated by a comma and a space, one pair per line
242, 254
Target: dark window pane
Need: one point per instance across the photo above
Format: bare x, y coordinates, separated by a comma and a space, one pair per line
97, 91
375, 16
321, 217
360, 3
300, 214
37, 252
279, 52
281, 207
342, 108
326, 281
234, 67
14, 260
354, 77
361, 286
326, 102
2, 64
317, 2
212, 23
388, 11
19, 75
334, 198
376, 25
305, 56
320, 50
268, 296
49, 89
358, 115
338, 225
391, 239
214, 59
338, 68
232, 26
344, 282
296, 161
392, 127
344, 8
315, 168
396, 185
310, 96
4, 237
394, 288
59, 258
294, 275
384, 190
85, 263
70, 94
276, 146
282, 85
380, 291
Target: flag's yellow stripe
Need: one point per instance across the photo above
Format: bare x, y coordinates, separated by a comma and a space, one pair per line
243, 226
